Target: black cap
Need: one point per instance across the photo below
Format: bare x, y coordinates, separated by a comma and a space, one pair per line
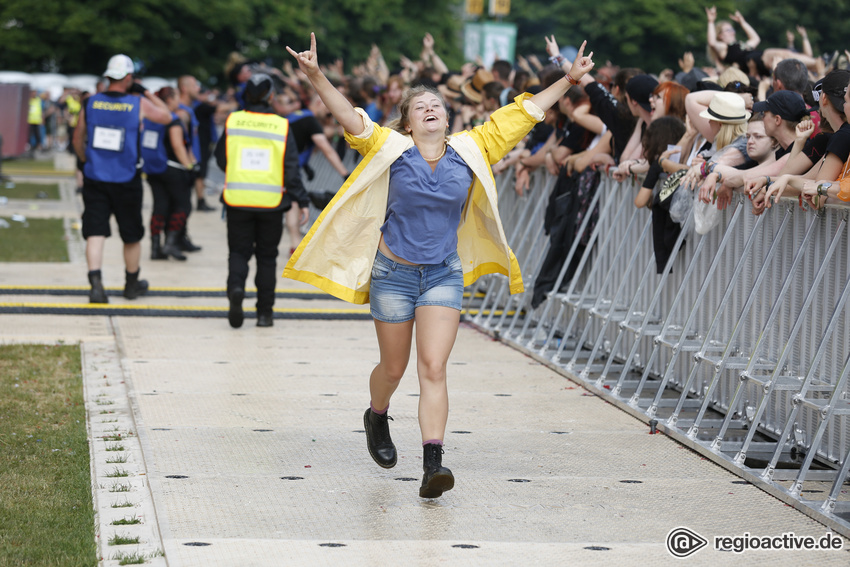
639, 89
786, 104
834, 85
258, 88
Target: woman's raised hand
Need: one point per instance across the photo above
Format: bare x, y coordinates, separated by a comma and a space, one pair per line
308, 61
582, 65
552, 46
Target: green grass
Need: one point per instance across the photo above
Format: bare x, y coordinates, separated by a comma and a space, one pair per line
129, 558
46, 509
37, 240
123, 540
30, 191
12, 166
117, 473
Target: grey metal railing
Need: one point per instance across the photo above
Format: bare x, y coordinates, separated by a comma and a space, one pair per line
739, 350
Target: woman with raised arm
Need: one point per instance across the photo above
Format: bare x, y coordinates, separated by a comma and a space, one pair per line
726, 50
414, 224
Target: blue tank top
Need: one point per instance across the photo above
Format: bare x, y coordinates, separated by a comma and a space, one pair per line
153, 146
424, 206
193, 132
112, 148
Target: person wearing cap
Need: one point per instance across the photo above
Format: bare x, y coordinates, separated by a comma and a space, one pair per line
721, 120
835, 164
782, 111
107, 141
259, 157
639, 90
416, 221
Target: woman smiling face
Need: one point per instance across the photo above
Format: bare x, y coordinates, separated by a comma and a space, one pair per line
427, 115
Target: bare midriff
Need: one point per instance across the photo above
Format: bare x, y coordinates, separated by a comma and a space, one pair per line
385, 250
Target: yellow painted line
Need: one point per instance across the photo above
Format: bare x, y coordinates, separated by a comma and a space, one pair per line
120, 288
144, 307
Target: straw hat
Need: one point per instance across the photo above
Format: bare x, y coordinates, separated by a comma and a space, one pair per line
731, 75
452, 88
727, 108
474, 87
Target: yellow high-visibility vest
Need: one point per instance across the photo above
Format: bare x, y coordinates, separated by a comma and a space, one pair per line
34, 115
74, 107
256, 144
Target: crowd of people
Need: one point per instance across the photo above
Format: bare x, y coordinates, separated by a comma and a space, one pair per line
766, 123
696, 128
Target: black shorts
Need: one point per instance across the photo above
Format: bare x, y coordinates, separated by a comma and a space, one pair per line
124, 200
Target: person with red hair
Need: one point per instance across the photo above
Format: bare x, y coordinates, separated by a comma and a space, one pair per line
668, 99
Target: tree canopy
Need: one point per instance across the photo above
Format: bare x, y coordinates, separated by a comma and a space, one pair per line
174, 37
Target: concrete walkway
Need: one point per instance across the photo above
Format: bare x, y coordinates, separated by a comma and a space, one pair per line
245, 447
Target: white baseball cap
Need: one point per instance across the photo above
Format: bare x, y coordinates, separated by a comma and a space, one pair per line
119, 66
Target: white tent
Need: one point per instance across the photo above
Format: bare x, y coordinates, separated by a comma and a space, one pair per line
83, 82
153, 84
15, 77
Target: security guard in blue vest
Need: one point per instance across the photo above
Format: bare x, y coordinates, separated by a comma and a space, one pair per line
107, 141
258, 154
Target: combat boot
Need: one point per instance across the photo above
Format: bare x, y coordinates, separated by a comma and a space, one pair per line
97, 293
378, 438
437, 479
156, 248
172, 245
133, 286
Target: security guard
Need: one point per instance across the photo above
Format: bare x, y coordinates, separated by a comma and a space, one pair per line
261, 181
35, 119
107, 141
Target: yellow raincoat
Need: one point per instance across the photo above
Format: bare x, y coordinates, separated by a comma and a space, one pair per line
337, 253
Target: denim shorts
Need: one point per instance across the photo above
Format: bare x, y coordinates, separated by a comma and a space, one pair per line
398, 289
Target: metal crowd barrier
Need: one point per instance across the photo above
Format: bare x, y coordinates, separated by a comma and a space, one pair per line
739, 350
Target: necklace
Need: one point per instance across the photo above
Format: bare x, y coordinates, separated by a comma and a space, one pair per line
436, 158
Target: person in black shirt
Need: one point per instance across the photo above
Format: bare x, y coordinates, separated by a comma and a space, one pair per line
831, 92
309, 135
611, 106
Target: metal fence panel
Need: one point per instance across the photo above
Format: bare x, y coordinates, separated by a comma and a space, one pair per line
740, 351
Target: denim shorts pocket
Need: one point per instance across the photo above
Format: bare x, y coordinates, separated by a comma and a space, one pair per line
456, 266
380, 270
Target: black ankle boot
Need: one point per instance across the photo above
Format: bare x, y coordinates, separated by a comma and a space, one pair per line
172, 246
378, 438
235, 315
437, 479
133, 286
156, 248
97, 293
186, 245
